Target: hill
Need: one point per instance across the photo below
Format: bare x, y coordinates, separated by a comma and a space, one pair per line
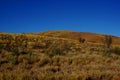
90, 37
58, 55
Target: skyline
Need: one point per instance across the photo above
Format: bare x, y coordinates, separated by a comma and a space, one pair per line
82, 16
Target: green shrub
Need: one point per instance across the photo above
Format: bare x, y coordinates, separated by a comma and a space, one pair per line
31, 58
15, 52
53, 52
56, 51
106, 52
15, 61
1, 46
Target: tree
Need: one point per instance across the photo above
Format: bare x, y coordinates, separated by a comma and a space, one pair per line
81, 40
108, 41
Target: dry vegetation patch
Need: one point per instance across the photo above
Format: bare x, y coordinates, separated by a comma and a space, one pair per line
34, 57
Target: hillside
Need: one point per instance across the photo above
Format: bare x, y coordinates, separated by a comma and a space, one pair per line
90, 37
58, 55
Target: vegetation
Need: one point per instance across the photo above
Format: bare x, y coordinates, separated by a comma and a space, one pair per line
81, 40
108, 41
35, 57
116, 50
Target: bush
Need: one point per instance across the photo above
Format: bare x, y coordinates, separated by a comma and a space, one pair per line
44, 60
81, 40
116, 50
53, 52
1, 46
106, 52
15, 52
15, 60
31, 58
108, 41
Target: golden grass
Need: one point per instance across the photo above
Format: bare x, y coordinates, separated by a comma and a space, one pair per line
23, 57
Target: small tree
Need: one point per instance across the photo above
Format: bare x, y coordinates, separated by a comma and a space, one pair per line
81, 40
108, 41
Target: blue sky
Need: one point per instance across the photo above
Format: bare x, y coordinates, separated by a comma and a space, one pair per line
98, 16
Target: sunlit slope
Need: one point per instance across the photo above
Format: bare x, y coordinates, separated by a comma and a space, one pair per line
58, 55
90, 37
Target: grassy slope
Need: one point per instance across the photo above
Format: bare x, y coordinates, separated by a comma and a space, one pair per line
90, 37
56, 55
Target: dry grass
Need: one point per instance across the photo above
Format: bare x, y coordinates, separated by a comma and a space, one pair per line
34, 57
90, 37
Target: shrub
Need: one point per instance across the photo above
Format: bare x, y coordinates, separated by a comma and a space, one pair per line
81, 40
15, 52
116, 50
53, 52
31, 58
108, 41
9, 57
39, 45
106, 52
44, 60
15, 60
57, 51
1, 47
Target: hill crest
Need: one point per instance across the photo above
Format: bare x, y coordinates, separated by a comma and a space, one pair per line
89, 36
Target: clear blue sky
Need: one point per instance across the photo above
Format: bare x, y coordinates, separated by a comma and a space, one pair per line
98, 16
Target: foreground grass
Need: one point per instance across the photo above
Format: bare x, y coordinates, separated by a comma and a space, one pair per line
29, 57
